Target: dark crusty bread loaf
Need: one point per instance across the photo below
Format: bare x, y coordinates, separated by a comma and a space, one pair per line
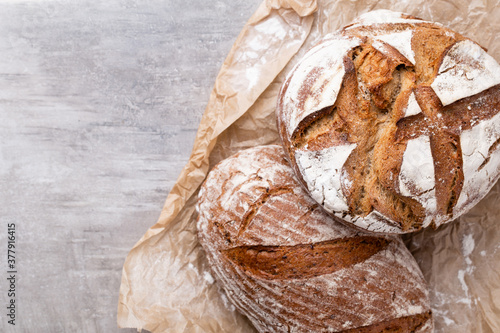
392, 124
290, 267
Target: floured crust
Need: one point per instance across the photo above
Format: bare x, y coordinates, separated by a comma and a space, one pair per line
319, 85
290, 267
395, 148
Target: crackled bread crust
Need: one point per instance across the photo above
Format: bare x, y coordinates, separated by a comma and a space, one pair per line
290, 267
392, 123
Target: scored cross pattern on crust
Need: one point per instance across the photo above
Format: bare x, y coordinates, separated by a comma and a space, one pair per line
440, 124
390, 147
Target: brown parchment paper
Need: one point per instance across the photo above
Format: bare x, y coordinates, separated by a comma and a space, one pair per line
166, 283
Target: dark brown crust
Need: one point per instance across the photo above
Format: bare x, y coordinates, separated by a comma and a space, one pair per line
399, 325
305, 260
369, 111
286, 264
455, 117
444, 125
328, 129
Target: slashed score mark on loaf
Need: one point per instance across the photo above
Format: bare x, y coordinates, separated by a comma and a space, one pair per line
304, 260
398, 150
290, 267
296, 261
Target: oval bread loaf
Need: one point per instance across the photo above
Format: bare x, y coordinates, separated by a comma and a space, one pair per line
290, 267
392, 123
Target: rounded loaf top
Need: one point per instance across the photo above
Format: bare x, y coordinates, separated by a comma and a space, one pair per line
392, 123
290, 267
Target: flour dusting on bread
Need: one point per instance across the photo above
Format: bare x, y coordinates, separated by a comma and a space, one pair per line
290, 267
389, 145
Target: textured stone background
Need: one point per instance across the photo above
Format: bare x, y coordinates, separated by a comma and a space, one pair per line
99, 105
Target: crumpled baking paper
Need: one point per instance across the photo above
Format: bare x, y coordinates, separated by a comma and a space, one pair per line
166, 282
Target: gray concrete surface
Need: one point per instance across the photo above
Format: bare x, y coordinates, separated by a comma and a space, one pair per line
99, 105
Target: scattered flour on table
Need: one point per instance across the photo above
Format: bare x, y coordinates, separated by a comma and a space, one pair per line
208, 277
461, 278
252, 75
468, 245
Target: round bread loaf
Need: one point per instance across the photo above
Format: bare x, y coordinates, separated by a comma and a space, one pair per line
392, 123
290, 267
